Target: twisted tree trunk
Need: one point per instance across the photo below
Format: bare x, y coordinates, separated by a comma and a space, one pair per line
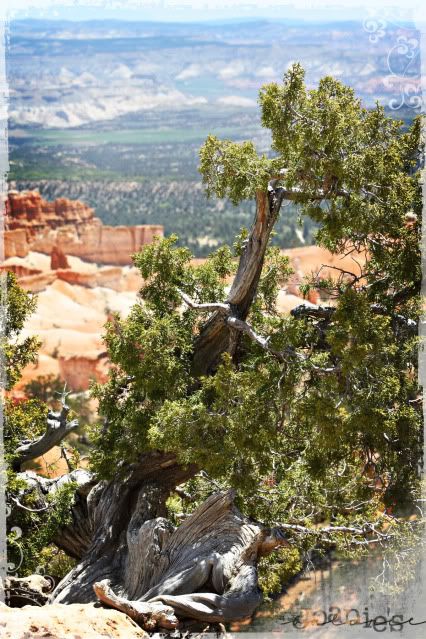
217, 336
205, 569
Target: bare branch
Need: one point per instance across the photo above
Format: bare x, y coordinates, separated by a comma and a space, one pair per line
57, 428
342, 271
244, 327
30, 510
209, 307
359, 534
297, 194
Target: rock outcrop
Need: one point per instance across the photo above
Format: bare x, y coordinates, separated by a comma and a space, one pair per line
57, 621
80, 370
108, 277
32, 590
78, 273
58, 259
70, 317
68, 227
15, 243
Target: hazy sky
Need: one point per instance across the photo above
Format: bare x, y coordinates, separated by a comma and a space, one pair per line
194, 10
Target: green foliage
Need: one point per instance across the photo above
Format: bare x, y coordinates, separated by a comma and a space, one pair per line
151, 349
18, 305
277, 569
232, 169
26, 420
323, 424
329, 431
33, 551
275, 274
54, 562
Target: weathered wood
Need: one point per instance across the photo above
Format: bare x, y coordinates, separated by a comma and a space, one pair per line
149, 615
205, 569
112, 507
217, 336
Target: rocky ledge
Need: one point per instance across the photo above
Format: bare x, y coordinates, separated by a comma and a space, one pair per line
74, 621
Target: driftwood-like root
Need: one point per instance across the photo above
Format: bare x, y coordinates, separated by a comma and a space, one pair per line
148, 615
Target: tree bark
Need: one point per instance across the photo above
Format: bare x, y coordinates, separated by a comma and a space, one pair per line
217, 336
112, 507
205, 569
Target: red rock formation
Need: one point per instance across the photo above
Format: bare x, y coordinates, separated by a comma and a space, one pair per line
28, 209
58, 259
80, 370
33, 224
15, 243
38, 282
109, 277
20, 270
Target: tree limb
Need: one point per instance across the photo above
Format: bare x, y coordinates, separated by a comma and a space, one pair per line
297, 194
326, 312
244, 327
209, 307
57, 427
359, 534
149, 615
263, 342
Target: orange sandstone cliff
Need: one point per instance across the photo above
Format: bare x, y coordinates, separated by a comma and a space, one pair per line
67, 227
81, 271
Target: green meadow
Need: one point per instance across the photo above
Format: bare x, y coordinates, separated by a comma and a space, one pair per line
81, 137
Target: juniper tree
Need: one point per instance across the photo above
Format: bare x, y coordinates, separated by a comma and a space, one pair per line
266, 424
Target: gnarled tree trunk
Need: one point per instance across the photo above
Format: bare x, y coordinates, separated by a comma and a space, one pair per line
205, 569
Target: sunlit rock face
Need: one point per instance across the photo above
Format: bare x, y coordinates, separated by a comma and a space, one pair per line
69, 227
58, 259
57, 621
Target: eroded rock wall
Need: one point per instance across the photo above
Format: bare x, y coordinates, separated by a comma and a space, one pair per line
70, 227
